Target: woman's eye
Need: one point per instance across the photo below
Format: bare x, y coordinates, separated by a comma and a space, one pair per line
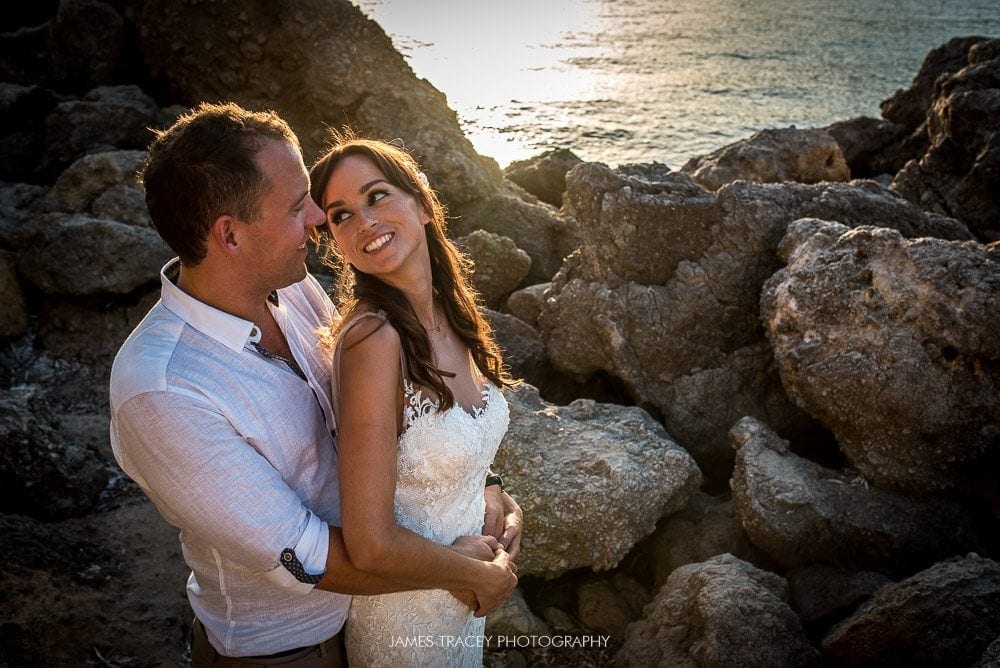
377, 195
339, 217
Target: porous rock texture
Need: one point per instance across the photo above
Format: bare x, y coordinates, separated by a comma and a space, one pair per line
894, 344
720, 612
592, 480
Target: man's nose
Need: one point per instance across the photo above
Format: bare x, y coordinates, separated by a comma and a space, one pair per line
314, 215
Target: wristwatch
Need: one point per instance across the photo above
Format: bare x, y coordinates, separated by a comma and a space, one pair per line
494, 479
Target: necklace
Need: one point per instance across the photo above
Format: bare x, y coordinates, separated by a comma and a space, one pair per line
434, 328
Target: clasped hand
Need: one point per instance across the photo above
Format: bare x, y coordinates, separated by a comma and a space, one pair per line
500, 574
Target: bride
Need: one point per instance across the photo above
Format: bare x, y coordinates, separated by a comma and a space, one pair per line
419, 412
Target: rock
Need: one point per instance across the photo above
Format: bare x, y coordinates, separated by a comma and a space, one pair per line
908, 107
77, 188
663, 295
544, 175
41, 474
298, 66
108, 118
79, 47
618, 454
500, 265
90, 331
106, 584
801, 513
866, 325
706, 527
946, 615
959, 174
822, 592
604, 607
545, 238
89, 41
872, 146
721, 612
522, 346
773, 156
526, 303
123, 204
991, 657
514, 619
13, 309
23, 109
79, 255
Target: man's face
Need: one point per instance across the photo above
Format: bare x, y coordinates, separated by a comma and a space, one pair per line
275, 244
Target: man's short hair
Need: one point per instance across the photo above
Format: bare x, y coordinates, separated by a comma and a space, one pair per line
204, 166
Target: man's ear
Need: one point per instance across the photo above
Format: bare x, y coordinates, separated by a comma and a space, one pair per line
224, 234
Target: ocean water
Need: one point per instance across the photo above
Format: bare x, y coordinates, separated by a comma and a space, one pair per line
622, 81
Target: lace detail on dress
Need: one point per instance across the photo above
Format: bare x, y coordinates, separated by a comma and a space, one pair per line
441, 464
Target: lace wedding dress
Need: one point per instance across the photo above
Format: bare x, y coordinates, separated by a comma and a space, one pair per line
442, 461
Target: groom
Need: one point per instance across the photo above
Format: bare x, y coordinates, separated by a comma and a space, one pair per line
220, 406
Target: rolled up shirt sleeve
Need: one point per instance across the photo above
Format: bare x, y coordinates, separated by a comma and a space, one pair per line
209, 481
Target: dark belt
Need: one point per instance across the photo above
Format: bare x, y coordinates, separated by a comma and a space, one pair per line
329, 653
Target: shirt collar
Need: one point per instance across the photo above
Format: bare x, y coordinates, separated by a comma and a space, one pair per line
227, 329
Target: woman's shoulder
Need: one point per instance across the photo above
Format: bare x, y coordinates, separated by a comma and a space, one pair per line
370, 328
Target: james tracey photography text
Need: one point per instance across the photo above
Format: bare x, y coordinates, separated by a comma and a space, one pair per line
500, 642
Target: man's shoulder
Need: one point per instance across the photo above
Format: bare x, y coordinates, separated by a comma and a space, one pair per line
141, 363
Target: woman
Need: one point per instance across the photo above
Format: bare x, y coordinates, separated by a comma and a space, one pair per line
420, 413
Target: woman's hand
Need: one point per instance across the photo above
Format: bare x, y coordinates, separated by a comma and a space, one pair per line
497, 583
503, 519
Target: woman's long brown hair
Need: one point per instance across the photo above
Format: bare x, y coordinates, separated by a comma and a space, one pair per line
450, 273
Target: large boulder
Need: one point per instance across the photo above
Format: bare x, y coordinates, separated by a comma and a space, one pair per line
294, 60
107, 118
95, 182
820, 592
78, 47
908, 107
892, 343
801, 513
500, 265
773, 156
544, 176
872, 147
522, 347
663, 293
959, 175
564, 462
946, 615
719, 613
74, 254
42, 474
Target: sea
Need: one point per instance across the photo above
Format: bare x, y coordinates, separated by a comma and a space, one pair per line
623, 81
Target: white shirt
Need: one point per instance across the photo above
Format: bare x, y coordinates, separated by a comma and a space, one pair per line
237, 451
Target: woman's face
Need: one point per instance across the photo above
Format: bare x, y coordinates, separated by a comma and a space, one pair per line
377, 226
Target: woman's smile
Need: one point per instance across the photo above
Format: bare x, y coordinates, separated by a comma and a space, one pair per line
378, 242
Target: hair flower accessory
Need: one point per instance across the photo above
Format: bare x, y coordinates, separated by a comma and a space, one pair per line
422, 180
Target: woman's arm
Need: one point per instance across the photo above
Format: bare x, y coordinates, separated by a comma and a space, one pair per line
370, 378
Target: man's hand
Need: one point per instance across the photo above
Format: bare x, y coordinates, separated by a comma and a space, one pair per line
503, 520
478, 547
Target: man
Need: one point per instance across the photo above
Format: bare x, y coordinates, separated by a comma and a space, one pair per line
220, 406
